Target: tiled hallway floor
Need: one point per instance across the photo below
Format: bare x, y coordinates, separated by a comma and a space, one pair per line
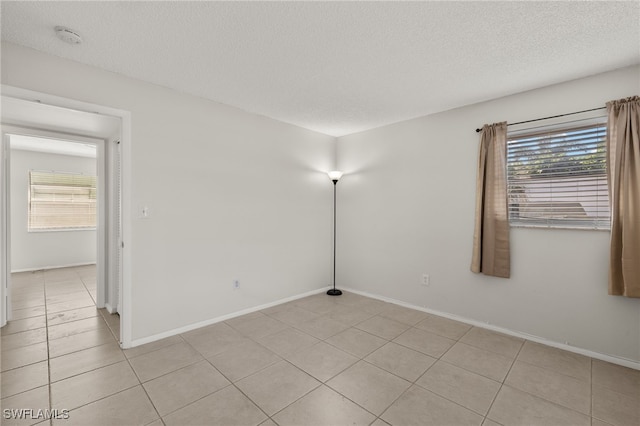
320, 360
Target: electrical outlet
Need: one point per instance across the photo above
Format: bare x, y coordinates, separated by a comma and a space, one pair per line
425, 280
236, 284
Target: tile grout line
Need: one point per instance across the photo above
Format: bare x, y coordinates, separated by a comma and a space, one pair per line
559, 373
86, 371
591, 389
204, 359
46, 322
79, 350
297, 399
103, 397
145, 391
49, 361
325, 383
545, 398
438, 359
321, 383
515, 358
155, 350
33, 344
414, 383
260, 370
231, 383
128, 361
376, 417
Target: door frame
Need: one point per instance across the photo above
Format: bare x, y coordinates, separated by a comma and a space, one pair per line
104, 202
5, 232
125, 292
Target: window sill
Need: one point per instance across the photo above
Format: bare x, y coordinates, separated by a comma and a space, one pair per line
37, 231
574, 228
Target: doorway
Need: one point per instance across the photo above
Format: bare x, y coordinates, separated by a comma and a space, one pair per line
45, 116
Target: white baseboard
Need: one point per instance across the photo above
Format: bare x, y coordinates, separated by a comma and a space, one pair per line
184, 329
46, 268
596, 355
111, 309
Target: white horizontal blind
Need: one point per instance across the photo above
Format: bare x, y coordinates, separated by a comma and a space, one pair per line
61, 201
557, 178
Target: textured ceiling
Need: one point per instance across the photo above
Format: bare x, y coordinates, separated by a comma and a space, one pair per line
338, 67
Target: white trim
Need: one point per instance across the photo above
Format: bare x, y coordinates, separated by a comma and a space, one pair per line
184, 329
43, 268
5, 232
126, 175
596, 355
57, 101
126, 211
110, 308
17, 130
36, 231
114, 220
101, 224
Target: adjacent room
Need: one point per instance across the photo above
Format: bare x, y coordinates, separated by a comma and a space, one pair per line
320, 213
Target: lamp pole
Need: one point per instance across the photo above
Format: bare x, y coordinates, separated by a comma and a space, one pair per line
334, 176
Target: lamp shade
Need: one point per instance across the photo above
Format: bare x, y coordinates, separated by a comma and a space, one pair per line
335, 175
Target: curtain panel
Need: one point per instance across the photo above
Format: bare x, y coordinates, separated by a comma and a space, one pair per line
491, 251
623, 174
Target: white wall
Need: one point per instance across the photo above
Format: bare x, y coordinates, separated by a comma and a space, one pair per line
238, 196
231, 195
407, 207
40, 250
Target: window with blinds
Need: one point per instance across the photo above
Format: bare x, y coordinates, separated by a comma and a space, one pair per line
557, 178
61, 201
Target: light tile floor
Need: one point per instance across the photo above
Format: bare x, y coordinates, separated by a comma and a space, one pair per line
321, 360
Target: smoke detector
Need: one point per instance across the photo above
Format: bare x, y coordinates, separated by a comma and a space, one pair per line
68, 35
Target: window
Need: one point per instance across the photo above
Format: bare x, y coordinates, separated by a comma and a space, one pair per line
61, 201
557, 178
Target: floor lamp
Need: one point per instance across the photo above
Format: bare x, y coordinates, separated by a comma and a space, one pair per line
334, 176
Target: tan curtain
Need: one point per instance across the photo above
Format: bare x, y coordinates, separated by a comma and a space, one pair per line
623, 174
491, 253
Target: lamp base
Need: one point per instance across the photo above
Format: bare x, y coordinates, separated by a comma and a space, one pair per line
334, 292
